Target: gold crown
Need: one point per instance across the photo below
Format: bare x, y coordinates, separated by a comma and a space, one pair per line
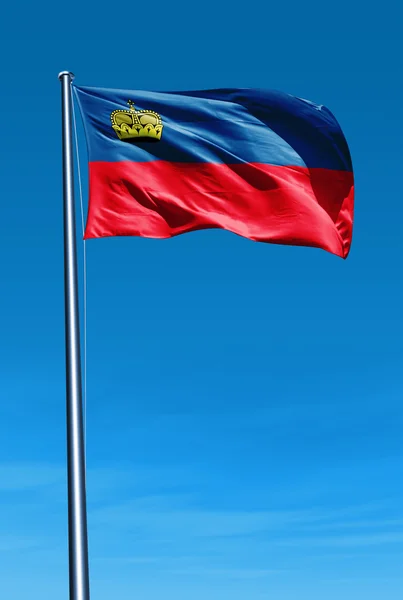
142, 125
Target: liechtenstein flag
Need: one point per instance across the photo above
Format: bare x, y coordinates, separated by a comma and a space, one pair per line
263, 164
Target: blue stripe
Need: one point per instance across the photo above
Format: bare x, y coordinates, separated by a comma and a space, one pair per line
218, 126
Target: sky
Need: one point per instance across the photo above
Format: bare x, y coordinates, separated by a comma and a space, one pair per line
244, 400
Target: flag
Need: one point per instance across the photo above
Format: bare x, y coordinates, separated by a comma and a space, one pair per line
263, 164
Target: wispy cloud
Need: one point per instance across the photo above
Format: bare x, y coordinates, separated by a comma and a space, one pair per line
126, 480
128, 560
162, 516
16, 477
10, 543
356, 524
183, 521
225, 573
346, 540
172, 518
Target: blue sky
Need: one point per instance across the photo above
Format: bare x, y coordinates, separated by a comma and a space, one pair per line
244, 400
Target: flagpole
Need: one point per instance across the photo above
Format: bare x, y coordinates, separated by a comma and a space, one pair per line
77, 510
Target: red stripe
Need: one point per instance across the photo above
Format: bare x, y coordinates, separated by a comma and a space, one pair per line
284, 205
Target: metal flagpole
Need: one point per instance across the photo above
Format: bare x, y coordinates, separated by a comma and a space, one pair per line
78, 541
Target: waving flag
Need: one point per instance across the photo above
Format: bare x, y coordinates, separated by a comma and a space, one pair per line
263, 164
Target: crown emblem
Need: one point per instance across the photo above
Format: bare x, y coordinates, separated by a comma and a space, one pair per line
137, 125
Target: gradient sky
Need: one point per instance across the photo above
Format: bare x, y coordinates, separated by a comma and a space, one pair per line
244, 400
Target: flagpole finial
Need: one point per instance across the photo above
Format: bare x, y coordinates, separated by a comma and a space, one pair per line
69, 73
